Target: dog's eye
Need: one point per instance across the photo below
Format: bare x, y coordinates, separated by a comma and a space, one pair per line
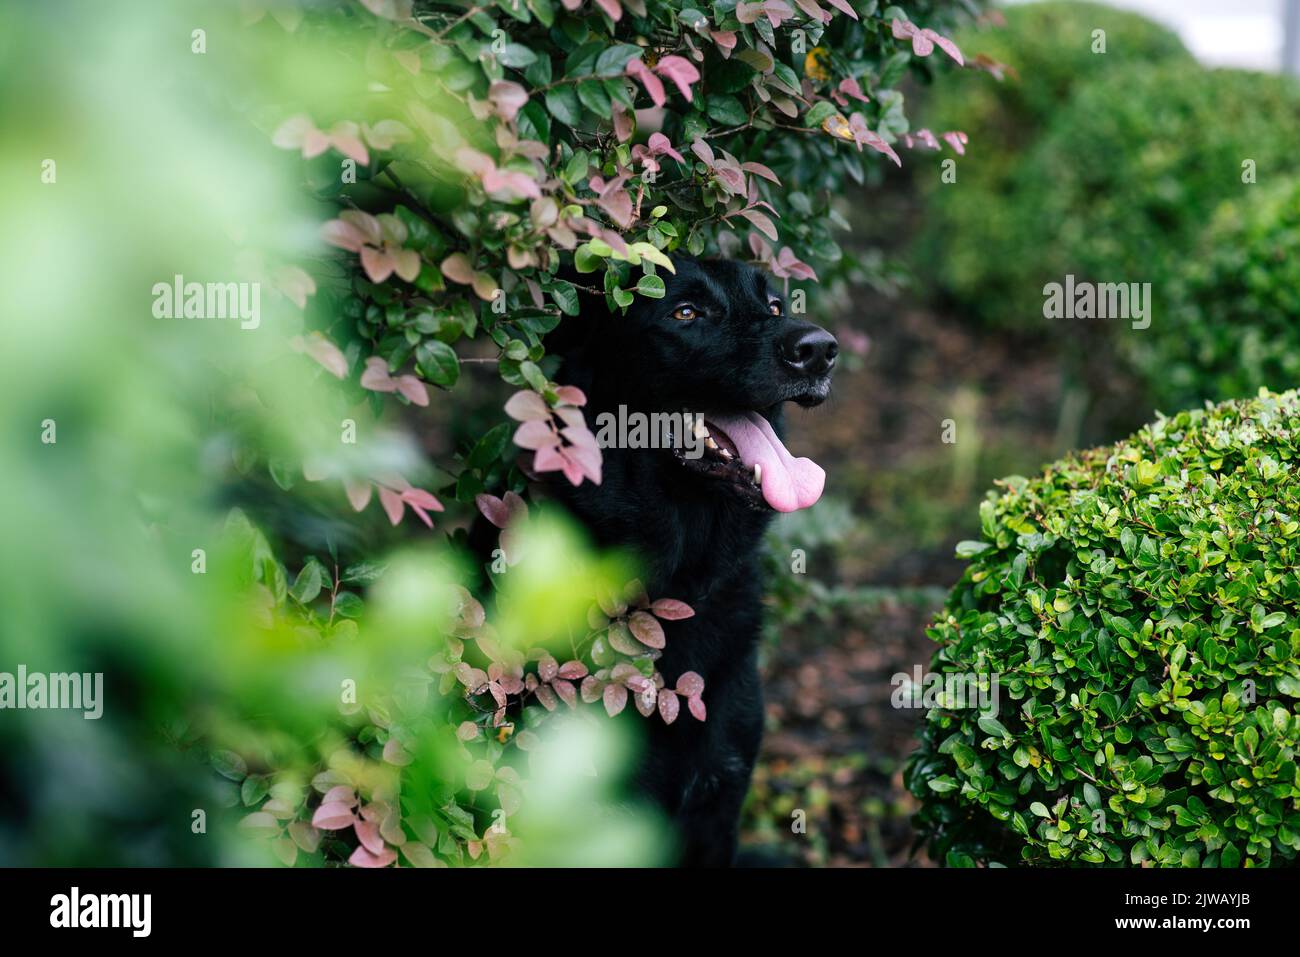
685, 313
774, 307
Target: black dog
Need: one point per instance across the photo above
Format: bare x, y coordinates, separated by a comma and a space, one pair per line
719, 343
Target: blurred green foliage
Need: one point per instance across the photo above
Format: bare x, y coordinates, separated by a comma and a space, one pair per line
975, 230
1235, 325
1139, 608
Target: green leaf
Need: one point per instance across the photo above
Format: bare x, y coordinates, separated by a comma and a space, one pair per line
437, 362
651, 287
563, 104
613, 61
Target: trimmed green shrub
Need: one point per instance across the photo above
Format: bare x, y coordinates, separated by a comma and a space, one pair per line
1131, 171
1236, 324
1049, 48
1140, 608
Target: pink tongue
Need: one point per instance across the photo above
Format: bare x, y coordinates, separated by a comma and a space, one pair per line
788, 483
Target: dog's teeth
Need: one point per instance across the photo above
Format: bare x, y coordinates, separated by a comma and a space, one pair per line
711, 444
701, 430
726, 455
758, 474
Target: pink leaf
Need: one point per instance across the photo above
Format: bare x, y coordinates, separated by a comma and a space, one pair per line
536, 435
457, 268
508, 98
653, 85
647, 630
696, 705
690, 684
758, 169
392, 503
670, 609
419, 498
493, 509
573, 670
843, 7
413, 389
668, 706
680, 71
527, 406
615, 697
333, 817
368, 835
376, 376
340, 794
363, 858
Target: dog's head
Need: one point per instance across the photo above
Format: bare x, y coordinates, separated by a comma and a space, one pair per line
721, 346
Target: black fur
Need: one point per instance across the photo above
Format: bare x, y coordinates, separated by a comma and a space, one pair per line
698, 538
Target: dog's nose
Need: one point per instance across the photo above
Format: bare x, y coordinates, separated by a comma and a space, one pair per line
810, 349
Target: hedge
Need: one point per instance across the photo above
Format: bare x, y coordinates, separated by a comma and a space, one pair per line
1140, 609
1042, 54
1235, 325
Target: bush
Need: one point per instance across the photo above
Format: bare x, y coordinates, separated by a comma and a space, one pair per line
487, 169
1130, 173
1048, 50
1139, 607
1234, 327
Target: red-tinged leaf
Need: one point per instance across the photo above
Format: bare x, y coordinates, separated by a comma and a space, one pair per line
653, 85
668, 706
358, 494
946, 45
547, 667
508, 98
758, 169
376, 377
493, 509
413, 389
368, 835
690, 684
379, 265
467, 731
696, 705
762, 222
363, 858
458, 268
590, 690
902, 29
844, 7
340, 794
395, 754
537, 436
566, 692
620, 639
680, 71
546, 697
612, 9
670, 609
418, 496
527, 406
570, 395
615, 698
305, 836
392, 503
573, 670
647, 629
333, 817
